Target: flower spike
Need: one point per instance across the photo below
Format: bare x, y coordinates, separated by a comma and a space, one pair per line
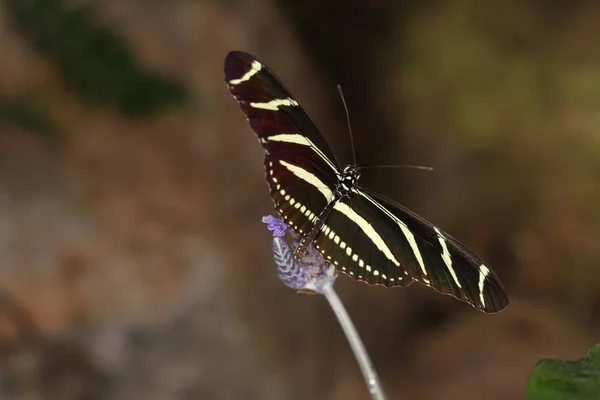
309, 275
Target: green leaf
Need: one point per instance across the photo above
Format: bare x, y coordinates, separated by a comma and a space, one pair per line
560, 379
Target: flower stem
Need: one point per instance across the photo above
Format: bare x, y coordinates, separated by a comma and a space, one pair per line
362, 357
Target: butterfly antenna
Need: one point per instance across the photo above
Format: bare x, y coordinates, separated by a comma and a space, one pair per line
348, 121
421, 167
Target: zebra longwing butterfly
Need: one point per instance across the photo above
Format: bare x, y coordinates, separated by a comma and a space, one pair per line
365, 235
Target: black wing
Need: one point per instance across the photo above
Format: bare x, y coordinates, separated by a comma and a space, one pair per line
301, 169
385, 243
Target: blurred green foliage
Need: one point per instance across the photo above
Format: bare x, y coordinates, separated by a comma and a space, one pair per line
23, 114
559, 379
93, 60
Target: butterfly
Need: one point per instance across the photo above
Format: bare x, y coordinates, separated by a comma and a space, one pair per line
363, 234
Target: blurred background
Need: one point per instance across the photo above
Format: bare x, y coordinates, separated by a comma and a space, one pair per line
133, 263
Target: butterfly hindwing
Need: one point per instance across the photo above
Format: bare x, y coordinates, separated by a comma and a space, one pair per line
360, 245
435, 258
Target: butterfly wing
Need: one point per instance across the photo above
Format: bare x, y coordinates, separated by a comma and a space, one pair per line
301, 168
382, 242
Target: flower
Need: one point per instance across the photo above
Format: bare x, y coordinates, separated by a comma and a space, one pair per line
311, 274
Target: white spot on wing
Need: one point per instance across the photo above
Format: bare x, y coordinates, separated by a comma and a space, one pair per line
407, 233
309, 178
483, 273
302, 140
255, 67
367, 229
275, 103
413, 245
446, 257
291, 138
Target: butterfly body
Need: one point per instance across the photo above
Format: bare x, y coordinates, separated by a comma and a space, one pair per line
342, 190
365, 235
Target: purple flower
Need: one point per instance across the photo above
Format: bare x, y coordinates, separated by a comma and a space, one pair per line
310, 274
276, 225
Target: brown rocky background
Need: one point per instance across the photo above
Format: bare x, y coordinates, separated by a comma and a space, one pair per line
133, 264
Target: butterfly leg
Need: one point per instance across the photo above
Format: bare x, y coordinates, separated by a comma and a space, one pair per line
307, 240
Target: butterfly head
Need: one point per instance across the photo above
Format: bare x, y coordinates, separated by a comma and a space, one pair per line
348, 180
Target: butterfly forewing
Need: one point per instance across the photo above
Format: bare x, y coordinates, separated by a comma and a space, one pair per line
297, 200
299, 165
271, 110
